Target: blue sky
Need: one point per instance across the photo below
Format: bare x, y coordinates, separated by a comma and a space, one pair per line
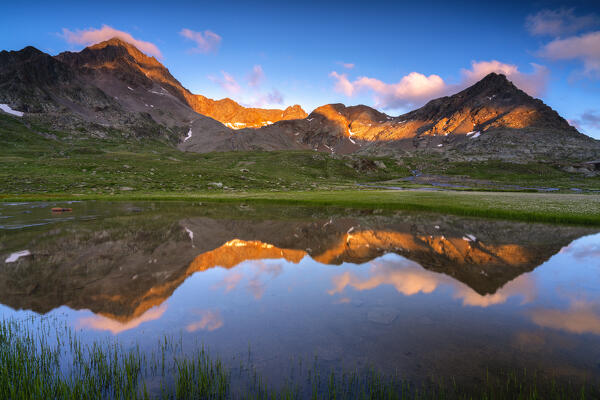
275, 54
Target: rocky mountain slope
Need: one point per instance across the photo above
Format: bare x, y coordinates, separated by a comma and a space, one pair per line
127, 61
113, 87
492, 118
236, 116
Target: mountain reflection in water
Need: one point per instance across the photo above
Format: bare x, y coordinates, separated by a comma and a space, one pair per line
357, 288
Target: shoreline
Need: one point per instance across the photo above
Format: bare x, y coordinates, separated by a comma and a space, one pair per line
579, 209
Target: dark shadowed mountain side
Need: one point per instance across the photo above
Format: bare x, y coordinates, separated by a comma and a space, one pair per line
122, 267
112, 87
120, 58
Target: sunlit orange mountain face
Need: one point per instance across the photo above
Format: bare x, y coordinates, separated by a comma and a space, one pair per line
112, 85
122, 267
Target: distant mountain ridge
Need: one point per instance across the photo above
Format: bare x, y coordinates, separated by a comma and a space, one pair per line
114, 86
236, 116
108, 53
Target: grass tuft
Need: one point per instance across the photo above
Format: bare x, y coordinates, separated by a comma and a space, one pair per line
44, 359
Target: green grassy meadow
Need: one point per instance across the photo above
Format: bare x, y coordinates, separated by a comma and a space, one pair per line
40, 164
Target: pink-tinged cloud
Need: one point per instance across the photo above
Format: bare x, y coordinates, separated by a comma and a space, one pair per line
575, 124
585, 48
101, 323
209, 321
342, 84
227, 82
591, 118
415, 88
412, 89
206, 42
256, 77
582, 250
91, 36
251, 93
343, 300
230, 281
409, 279
580, 318
263, 272
252, 276
347, 65
523, 287
274, 97
559, 22
533, 83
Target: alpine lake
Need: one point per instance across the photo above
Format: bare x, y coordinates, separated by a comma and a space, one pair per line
306, 301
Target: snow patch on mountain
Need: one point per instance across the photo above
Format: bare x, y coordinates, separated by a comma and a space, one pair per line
6, 108
15, 256
189, 135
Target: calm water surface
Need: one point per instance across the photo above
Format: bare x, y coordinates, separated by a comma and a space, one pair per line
407, 293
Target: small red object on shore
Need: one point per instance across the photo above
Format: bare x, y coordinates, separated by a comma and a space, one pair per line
61, 210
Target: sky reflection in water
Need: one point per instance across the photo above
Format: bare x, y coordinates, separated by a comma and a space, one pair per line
403, 292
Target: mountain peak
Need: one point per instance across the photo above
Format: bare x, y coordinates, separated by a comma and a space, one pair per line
494, 77
25, 53
494, 102
116, 47
115, 42
494, 82
114, 53
31, 50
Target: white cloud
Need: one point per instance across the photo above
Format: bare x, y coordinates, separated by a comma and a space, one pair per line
585, 48
415, 88
559, 22
227, 82
206, 42
91, 36
256, 77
